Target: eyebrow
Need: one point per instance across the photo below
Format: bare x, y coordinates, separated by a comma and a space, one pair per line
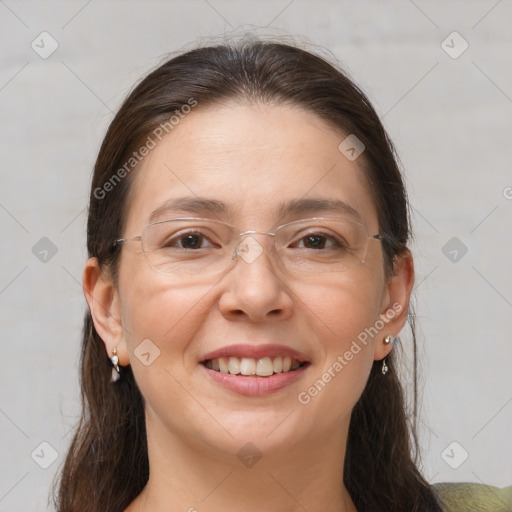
202, 205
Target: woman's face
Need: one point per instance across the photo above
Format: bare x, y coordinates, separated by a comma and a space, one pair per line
252, 159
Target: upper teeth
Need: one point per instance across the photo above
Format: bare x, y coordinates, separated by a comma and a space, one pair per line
263, 367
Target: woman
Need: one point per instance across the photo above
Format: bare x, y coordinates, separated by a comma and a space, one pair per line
248, 278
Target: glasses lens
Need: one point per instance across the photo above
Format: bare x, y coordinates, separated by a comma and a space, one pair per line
188, 247
322, 245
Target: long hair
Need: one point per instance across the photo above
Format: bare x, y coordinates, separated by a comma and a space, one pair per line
107, 464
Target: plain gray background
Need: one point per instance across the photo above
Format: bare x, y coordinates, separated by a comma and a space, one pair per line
447, 110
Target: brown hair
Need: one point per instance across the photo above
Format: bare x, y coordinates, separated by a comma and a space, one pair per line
107, 464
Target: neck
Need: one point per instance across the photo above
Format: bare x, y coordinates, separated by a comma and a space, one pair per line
187, 477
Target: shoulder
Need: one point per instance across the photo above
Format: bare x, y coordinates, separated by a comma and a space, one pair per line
462, 497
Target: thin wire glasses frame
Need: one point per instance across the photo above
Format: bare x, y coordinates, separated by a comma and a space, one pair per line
348, 242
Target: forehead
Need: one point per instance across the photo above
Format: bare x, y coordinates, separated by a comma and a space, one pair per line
248, 164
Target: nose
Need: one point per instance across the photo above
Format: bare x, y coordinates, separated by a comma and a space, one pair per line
255, 289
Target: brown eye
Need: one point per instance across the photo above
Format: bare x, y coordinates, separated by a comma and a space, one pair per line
187, 241
191, 241
314, 241
319, 241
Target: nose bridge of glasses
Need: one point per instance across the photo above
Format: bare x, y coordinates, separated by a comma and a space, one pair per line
254, 232
248, 247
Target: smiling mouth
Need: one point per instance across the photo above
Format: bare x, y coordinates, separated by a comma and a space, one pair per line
247, 366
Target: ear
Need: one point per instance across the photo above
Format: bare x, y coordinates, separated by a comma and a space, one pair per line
395, 302
103, 299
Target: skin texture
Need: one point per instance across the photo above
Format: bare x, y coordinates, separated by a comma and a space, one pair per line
251, 157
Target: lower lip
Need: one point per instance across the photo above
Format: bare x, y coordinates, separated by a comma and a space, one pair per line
256, 385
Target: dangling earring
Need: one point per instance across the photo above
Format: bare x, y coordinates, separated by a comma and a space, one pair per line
115, 362
385, 368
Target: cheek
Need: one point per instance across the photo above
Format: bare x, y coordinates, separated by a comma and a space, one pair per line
155, 309
342, 307
342, 316
162, 320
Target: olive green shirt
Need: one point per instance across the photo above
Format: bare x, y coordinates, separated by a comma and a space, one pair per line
471, 497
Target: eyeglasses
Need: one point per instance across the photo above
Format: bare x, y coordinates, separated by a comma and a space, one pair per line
191, 248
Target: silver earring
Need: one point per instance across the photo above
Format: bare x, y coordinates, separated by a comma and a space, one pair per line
115, 362
385, 368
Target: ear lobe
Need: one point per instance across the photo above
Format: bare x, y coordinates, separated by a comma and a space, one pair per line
103, 300
395, 304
